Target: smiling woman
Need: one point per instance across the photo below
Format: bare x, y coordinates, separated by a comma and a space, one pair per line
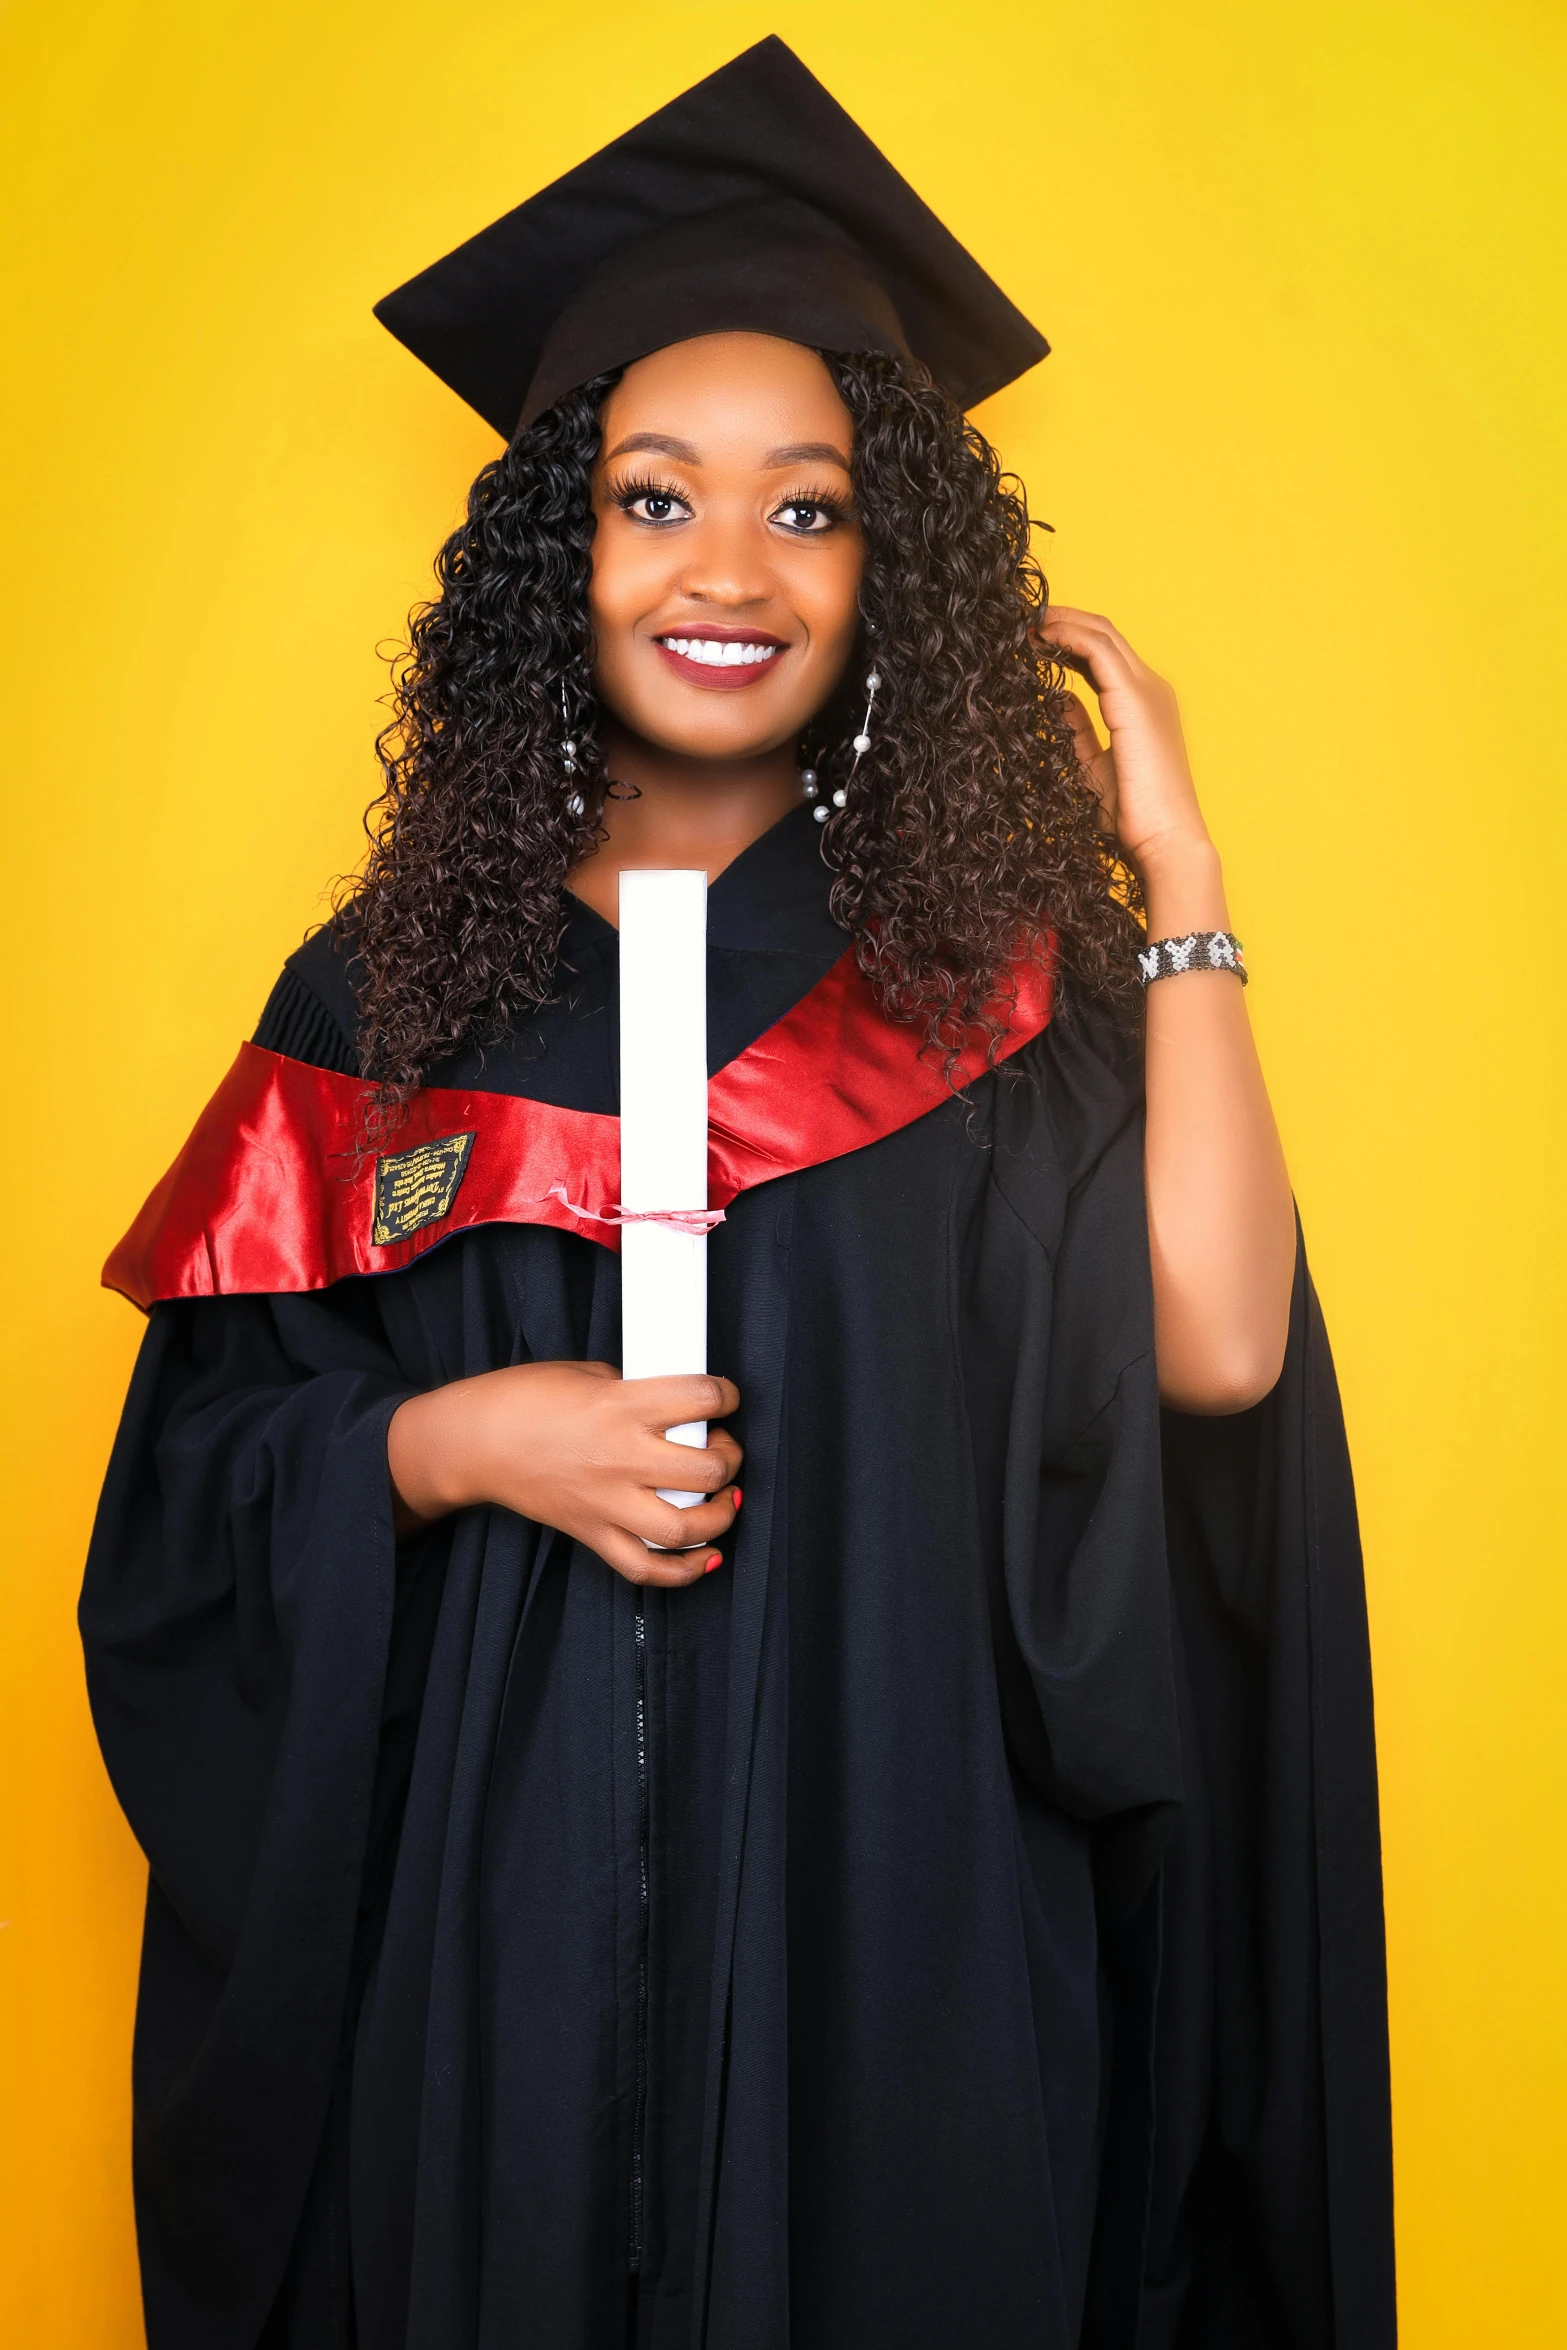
981, 803
947, 1926
736, 571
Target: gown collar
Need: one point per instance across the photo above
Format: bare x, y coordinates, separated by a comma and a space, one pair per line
774, 898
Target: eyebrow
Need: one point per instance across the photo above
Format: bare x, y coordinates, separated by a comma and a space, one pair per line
660, 444
808, 453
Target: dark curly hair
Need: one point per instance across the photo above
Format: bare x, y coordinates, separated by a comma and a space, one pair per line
971, 829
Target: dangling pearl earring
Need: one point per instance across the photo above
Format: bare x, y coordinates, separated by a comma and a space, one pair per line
862, 741
860, 745
574, 802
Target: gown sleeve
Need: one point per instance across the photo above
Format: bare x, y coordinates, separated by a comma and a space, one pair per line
1064, 1401
1190, 1609
237, 1615
1271, 2206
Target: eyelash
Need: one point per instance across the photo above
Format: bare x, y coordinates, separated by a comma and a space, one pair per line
627, 494
828, 502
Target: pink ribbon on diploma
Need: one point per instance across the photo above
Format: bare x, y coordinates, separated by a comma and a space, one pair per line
677, 1219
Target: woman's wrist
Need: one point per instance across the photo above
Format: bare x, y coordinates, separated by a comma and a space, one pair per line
423, 1459
1183, 886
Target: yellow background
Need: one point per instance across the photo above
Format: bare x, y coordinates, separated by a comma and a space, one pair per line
1301, 436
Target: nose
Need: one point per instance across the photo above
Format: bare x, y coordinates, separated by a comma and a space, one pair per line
728, 564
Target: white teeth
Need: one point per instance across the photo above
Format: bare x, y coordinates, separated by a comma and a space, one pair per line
715, 653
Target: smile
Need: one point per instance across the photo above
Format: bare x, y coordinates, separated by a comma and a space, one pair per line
721, 652
720, 664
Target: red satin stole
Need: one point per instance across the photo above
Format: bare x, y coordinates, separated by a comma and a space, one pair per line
273, 1193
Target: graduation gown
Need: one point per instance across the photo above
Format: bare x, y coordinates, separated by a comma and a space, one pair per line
957, 1921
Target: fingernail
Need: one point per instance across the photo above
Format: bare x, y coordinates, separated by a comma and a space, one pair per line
716, 1560
739, 1497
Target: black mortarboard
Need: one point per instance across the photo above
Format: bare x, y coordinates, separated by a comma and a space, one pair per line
752, 201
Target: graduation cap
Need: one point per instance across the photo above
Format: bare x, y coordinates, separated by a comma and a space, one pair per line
751, 202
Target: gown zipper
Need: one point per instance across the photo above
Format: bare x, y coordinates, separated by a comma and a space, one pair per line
639, 2116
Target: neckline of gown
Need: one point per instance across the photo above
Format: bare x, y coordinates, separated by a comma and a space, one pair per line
771, 937
773, 898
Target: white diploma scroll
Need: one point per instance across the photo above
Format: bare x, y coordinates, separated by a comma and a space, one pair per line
663, 1129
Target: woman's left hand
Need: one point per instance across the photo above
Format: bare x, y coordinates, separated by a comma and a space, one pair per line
1142, 776
1221, 1223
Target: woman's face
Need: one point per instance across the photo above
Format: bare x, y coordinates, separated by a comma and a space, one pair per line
727, 555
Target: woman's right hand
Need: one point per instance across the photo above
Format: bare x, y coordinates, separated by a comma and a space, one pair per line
575, 1446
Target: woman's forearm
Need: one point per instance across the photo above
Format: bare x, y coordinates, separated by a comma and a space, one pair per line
1221, 1220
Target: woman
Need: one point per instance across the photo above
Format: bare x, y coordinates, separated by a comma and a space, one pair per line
935, 1903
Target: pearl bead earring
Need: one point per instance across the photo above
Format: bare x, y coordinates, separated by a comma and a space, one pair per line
574, 801
860, 745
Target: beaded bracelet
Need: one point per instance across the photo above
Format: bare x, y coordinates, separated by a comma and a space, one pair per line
1200, 950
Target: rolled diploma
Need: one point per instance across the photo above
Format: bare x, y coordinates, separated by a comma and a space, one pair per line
663, 1129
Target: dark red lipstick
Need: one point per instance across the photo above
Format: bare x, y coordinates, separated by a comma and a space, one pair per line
726, 674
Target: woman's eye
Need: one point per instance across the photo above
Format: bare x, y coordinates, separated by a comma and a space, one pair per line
805, 516
654, 506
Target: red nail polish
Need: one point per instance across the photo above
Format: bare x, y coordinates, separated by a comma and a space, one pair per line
739, 1497
716, 1560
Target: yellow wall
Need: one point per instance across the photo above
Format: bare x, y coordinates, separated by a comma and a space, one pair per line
1301, 436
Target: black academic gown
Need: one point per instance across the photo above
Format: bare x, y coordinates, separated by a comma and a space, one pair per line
955, 1922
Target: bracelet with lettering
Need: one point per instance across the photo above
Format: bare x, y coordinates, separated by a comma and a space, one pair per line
1200, 950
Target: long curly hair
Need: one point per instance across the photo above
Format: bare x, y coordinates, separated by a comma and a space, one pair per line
970, 832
